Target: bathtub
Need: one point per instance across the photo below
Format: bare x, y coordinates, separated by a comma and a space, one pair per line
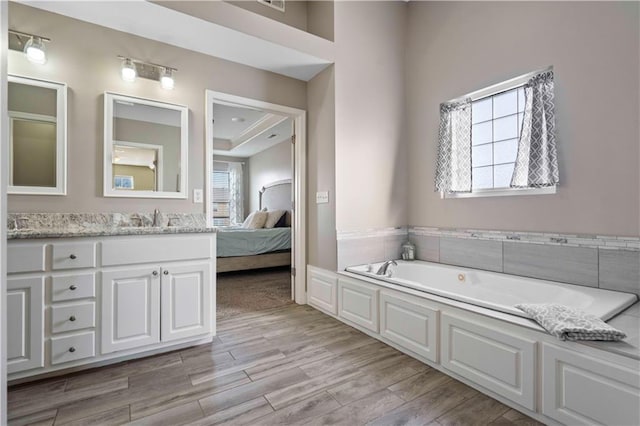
500, 292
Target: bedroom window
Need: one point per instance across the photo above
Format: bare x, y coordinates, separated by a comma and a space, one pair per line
499, 140
227, 193
221, 199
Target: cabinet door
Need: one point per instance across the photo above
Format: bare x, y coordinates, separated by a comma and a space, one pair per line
410, 322
358, 303
580, 389
25, 326
130, 308
186, 301
491, 357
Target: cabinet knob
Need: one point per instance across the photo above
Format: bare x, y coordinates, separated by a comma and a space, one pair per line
72, 318
72, 349
155, 273
165, 272
73, 256
73, 287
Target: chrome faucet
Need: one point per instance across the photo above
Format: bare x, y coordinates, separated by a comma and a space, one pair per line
382, 270
156, 218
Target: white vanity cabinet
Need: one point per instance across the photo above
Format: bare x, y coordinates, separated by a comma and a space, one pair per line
78, 301
130, 308
25, 326
143, 306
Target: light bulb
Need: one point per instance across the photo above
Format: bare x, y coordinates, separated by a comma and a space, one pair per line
34, 49
166, 81
128, 71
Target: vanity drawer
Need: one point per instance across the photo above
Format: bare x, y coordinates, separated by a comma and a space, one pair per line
73, 255
25, 258
71, 287
71, 317
155, 250
71, 348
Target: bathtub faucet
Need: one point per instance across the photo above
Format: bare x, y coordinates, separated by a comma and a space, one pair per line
383, 269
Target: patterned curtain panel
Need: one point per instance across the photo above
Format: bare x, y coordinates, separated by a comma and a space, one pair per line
453, 173
537, 159
236, 196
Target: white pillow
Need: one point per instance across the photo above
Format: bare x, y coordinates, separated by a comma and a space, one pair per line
255, 220
273, 218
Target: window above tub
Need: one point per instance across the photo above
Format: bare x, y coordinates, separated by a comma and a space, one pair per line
499, 140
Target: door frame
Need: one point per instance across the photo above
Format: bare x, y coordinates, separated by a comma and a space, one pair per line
299, 116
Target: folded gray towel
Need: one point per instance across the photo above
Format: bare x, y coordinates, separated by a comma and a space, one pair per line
570, 324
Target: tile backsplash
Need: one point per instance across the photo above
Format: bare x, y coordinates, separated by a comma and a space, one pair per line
596, 261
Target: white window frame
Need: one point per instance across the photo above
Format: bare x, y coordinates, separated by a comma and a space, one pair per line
486, 93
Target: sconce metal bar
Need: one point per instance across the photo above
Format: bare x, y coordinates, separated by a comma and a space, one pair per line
23, 34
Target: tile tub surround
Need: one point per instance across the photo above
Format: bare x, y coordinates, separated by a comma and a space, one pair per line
60, 225
607, 262
369, 246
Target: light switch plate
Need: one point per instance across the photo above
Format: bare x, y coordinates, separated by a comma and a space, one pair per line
322, 197
197, 196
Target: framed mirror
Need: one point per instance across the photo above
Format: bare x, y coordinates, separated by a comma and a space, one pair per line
145, 148
37, 136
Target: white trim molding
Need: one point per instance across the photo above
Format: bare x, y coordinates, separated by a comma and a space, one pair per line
299, 116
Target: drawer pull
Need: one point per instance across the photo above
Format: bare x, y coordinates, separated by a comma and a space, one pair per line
73, 287
72, 318
72, 349
166, 272
155, 273
73, 256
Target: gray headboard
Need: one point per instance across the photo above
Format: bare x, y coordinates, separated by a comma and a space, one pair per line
277, 196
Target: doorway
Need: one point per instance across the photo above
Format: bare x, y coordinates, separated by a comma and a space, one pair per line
271, 126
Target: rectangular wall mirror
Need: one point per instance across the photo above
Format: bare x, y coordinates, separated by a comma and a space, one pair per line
37, 136
145, 148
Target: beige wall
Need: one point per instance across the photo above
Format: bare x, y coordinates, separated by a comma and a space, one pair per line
454, 48
295, 12
268, 166
84, 56
320, 18
321, 172
371, 154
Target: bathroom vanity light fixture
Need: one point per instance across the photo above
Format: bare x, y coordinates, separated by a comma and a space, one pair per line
128, 71
132, 68
32, 45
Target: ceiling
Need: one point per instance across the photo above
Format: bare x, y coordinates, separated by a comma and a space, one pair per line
287, 56
148, 113
133, 156
244, 132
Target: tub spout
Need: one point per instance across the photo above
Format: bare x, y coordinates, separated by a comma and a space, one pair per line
385, 266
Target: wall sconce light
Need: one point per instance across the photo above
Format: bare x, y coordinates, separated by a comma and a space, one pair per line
33, 47
132, 68
128, 71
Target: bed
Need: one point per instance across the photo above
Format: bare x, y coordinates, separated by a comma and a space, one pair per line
241, 249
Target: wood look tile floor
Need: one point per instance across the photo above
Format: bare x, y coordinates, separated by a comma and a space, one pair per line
288, 365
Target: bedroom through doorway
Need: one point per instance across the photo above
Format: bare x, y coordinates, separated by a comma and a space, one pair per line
251, 201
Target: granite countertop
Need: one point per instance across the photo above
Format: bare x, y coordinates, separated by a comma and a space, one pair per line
69, 225
77, 231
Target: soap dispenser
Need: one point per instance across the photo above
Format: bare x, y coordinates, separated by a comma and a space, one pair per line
408, 251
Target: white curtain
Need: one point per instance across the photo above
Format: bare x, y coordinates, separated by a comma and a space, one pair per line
236, 196
537, 160
453, 172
